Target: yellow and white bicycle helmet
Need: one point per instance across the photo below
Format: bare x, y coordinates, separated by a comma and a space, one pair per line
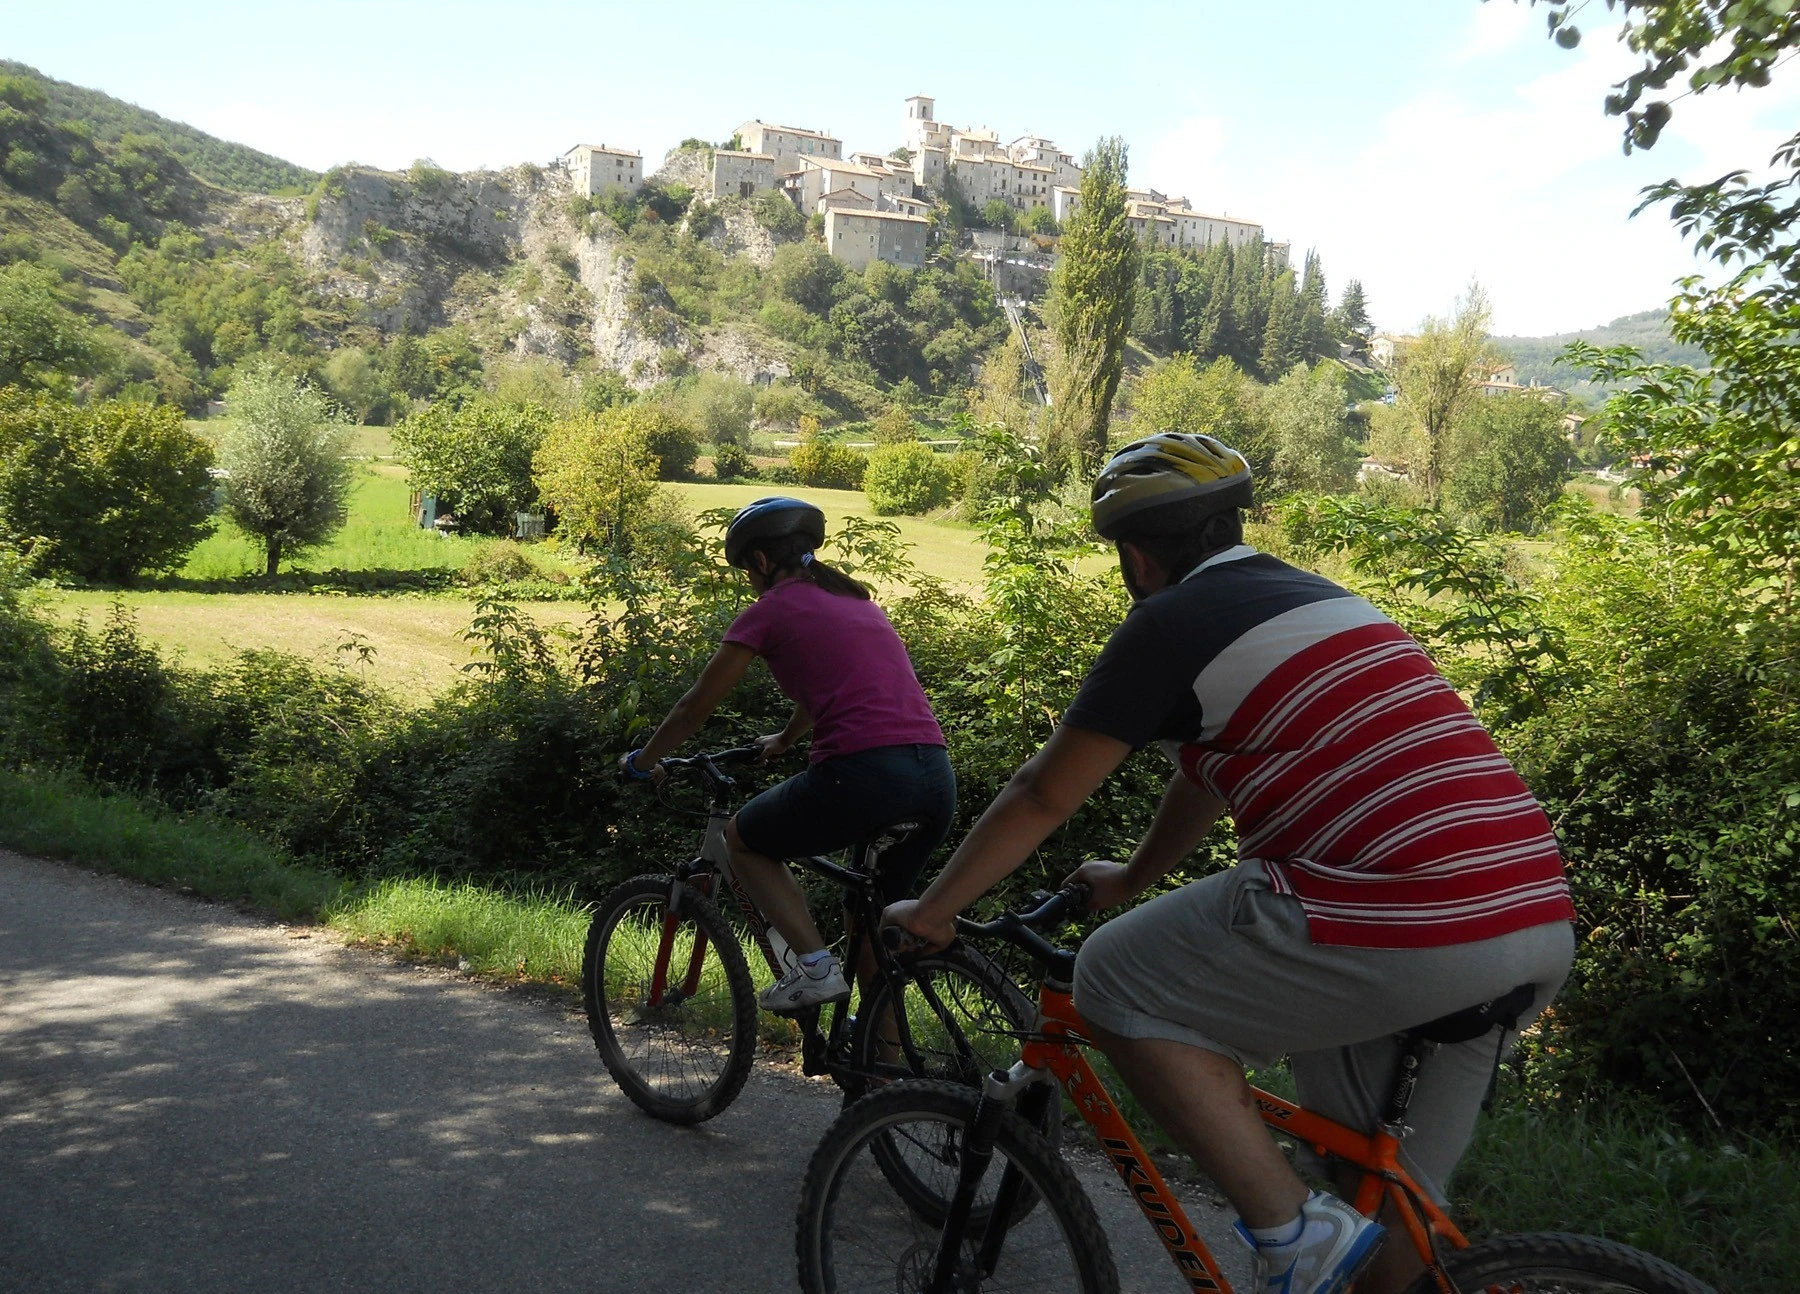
1169, 467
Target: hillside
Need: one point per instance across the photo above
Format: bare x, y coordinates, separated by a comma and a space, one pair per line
1648, 330
217, 161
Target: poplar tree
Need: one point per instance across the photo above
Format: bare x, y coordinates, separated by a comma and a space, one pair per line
1092, 296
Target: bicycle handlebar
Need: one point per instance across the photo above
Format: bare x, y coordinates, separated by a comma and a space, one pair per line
1017, 928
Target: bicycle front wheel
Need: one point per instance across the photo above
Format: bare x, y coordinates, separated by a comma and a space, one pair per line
855, 1234
669, 999
966, 1019
1552, 1262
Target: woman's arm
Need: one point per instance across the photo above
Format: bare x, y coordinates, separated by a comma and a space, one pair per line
687, 715
798, 725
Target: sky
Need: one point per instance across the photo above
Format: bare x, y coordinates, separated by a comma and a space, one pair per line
1417, 145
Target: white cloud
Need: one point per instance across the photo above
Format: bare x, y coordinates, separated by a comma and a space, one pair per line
1498, 26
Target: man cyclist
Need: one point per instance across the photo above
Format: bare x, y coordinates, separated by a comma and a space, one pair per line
1393, 868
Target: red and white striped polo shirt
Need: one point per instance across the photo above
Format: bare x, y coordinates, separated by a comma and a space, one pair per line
1354, 772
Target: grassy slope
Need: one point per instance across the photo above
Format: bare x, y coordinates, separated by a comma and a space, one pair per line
218, 161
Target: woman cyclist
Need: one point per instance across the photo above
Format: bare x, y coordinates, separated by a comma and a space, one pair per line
877, 754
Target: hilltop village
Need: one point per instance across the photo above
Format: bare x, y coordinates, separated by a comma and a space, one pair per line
875, 206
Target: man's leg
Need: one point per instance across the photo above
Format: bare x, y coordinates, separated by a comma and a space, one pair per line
776, 893
1201, 1099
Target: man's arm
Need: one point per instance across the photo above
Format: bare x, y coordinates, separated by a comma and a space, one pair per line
1040, 797
1186, 814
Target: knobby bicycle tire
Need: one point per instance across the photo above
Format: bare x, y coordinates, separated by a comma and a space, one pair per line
1065, 1213
1554, 1262
735, 1052
1013, 1014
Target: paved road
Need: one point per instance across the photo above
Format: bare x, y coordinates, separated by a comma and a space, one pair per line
194, 1100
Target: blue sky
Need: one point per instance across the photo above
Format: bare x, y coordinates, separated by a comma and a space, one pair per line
1417, 144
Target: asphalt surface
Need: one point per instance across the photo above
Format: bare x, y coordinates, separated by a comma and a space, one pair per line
195, 1100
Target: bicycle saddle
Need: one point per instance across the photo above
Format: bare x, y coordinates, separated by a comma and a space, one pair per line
1474, 1021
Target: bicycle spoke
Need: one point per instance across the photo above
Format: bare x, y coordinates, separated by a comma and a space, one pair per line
680, 1045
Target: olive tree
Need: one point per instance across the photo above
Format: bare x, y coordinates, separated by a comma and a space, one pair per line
287, 483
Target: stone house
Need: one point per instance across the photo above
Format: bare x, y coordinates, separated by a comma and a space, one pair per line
788, 145
596, 169
819, 176
858, 238
741, 175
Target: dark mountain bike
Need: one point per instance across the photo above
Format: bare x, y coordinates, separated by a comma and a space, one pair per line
672, 1006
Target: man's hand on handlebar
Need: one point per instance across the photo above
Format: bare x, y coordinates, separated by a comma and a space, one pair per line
911, 915
1110, 883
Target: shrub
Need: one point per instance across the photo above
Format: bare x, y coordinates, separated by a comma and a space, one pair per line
111, 490
895, 427
776, 213
731, 462
719, 406
828, 466
905, 479
781, 404
501, 562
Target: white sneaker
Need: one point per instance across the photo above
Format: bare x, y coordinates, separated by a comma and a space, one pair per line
1335, 1243
806, 986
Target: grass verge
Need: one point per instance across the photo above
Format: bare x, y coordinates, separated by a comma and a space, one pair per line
1728, 1213
530, 937
58, 817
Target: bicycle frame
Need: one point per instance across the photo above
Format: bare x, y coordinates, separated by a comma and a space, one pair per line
1055, 1049
820, 1048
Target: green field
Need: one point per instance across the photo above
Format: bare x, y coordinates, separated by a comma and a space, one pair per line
950, 550
417, 639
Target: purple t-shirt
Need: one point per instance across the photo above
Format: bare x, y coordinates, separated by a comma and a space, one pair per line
841, 659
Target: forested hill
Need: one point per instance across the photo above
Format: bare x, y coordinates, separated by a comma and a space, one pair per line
1648, 330
215, 160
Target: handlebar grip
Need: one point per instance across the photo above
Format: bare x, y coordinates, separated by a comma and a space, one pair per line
897, 939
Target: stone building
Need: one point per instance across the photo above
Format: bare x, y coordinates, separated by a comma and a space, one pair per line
740, 175
821, 176
596, 169
858, 238
788, 145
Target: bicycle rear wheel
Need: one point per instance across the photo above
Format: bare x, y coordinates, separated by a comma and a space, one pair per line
854, 1234
1551, 1262
669, 999
970, 1025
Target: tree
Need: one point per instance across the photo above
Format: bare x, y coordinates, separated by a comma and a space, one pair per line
776, 213
1744, 40
287, 484
1091, 298
673, 439
476, 460
1508, 462
718, 406
1283, 345
43, 342
1353, 308
997, 213
1038, 220
805, 274
1437, 377
1316, 341
1306, 417
827, 465
596, 472
895, 427
108, 490
356, 382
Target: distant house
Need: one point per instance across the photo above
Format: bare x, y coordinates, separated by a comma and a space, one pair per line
820, 176
859, 238
788, 145
1385, 348
741, 175
598, 170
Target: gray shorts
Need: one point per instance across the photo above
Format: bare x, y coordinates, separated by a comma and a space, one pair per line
1226, 964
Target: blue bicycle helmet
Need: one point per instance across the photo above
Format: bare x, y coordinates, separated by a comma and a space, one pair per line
775, 517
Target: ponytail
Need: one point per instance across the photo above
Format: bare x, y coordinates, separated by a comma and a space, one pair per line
793, 555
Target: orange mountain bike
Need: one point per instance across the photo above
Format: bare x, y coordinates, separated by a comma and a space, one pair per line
1019, 1220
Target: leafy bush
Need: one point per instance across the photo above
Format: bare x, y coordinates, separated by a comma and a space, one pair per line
828, 466
905, 479
672, 438
776, 213
108, 490
731, 462
501, 562
596, 470
719, 406
475, 460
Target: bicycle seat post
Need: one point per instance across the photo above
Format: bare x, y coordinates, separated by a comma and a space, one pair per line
1413, 1050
